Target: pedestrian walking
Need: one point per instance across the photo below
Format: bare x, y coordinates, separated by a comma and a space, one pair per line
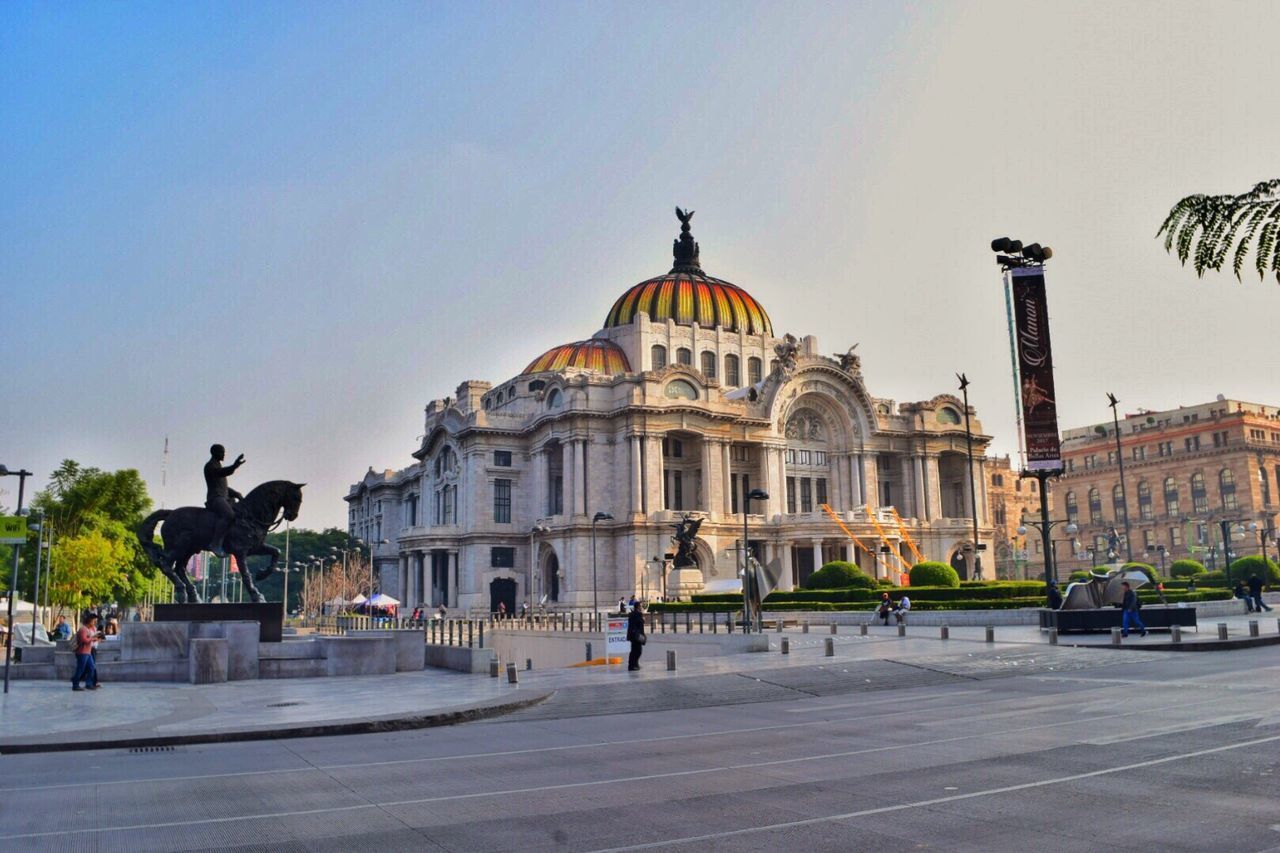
1129, 604
86, 671
635, 635
1255, 593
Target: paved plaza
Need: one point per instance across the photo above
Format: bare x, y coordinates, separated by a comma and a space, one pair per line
890, 744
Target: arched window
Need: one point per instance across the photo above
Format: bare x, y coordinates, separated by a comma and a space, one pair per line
658, 355
1144, 501
554, 399
708, 359
948, 415
684, 355
1095, 506
1199, 496
755, 368
1227, 489
1117, 501
732, 373
1171, 496
1073, 510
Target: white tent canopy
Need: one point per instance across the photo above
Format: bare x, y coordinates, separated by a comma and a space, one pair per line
383, 600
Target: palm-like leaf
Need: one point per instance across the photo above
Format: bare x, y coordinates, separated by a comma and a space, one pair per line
1204, 229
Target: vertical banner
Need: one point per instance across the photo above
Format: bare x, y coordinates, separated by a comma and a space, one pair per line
1035, 369
195, 567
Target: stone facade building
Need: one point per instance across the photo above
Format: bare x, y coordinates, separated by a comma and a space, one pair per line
1009, 499
1185, 470
683, 403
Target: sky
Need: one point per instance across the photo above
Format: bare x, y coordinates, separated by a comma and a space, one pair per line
285, 227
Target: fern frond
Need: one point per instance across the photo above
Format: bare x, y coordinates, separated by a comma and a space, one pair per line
1266, 245
1242, 251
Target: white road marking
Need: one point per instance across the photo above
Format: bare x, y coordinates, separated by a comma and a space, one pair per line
1008, 789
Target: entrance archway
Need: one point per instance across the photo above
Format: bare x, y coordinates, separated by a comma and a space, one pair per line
960, 564
551, 577
502, 590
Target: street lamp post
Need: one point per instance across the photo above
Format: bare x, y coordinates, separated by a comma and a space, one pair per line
1159, 549
372, 571
747, 580
1229, 533
22, 475
1124, 494
973, 500
1045, 526
35, 593
595, 589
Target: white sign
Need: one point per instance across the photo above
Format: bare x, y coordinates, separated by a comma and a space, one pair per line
615, 636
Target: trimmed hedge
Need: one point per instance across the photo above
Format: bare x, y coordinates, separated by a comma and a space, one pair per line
1186, 568
1243, 567
1146, 568
1145, 595
927, 573
839, 574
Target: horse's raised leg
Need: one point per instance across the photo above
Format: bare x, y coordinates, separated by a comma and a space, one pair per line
264, 550
168, 568
242, 566
183, 588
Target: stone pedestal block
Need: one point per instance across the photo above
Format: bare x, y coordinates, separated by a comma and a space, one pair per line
683, 583
359, 655
207, 663
242, 645
154, 640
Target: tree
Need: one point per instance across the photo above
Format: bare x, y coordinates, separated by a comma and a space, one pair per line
1205, 228
88, 569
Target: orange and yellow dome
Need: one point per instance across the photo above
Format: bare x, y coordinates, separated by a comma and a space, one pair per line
597, 355
692, 297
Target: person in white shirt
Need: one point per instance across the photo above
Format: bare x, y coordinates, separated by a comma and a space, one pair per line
900, 612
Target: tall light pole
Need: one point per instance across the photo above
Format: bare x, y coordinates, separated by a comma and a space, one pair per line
1046, 527
372, 546
284, 599
1124, 493
537, 529
595, 590
973, 498
747, 617
35, 594
22, 475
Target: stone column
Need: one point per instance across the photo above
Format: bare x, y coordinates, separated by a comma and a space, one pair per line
836, 482
453, 580
908, 505
538, 500
726, 479
924, 511
579, 476
772, 484
935, 486
637, 476
854, 468
566, 476
870, 480
655, 485
851, 552
980, 483
817, 554
788, 570
709, 465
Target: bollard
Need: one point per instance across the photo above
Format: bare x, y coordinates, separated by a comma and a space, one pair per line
688, 622
1253, 627
671, 660
662, 623
902, 630
482, 635
715, 623
944, 632
700, 614
786, 645
493, 667
779, 625
470, 634
588, 651
528, 664
1053, 636
1175, 633
829, 647
833, 627
991, 634
1222, 630
804, 626
513, 677
863, 627
1115, 636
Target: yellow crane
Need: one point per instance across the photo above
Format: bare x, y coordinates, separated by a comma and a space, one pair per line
906, 537
856, 541
884, 537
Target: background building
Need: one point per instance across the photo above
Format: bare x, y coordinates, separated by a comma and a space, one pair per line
684, 402
1185, 469
1009, 498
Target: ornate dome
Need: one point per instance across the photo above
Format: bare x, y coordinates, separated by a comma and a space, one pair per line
687, 295
596, 355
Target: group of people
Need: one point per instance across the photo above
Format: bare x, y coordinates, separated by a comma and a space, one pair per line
1252, 596
885, 608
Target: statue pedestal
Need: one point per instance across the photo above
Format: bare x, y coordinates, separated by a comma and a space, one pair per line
681, 583
269, 616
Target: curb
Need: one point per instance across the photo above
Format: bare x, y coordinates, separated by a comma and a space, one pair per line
318, 729
1192, 646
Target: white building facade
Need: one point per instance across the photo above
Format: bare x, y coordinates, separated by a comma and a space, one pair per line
684, 403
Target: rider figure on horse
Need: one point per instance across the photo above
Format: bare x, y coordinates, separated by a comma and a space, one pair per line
218, 499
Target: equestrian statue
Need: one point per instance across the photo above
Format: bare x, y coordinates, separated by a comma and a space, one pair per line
228, 525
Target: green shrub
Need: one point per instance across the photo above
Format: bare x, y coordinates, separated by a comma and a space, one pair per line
928, 573
1186, 568
839, 574
1081, 575
1146, 568
1214, 578
1245, 567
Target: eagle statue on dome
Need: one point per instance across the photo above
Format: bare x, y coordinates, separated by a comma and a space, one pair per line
684, 218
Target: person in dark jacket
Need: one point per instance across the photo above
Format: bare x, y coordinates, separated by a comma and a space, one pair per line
1255, 594
1055, 597
1130, 607
635, 635
1239, 592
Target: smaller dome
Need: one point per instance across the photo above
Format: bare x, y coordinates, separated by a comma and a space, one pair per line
597, 355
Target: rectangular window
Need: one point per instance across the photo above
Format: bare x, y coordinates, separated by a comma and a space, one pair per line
502, 501
1266, 486
820, 490
502, 558
791, 495
672, 448
677, 490
806, 495
1175, 537
804, 457
791, 457
819, 457
732, 377
502, 458
738, 453
555, 495
1192, 444
1139, 453
449, 505
1111, 457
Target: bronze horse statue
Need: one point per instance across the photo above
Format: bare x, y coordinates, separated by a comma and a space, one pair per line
189, 530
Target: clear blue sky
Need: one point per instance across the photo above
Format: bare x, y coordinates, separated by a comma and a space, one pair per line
285, 227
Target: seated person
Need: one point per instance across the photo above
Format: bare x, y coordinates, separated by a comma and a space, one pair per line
904, 605
884, 607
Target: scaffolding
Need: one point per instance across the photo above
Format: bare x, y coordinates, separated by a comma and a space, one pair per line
875, 556
906, 537
884, 538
